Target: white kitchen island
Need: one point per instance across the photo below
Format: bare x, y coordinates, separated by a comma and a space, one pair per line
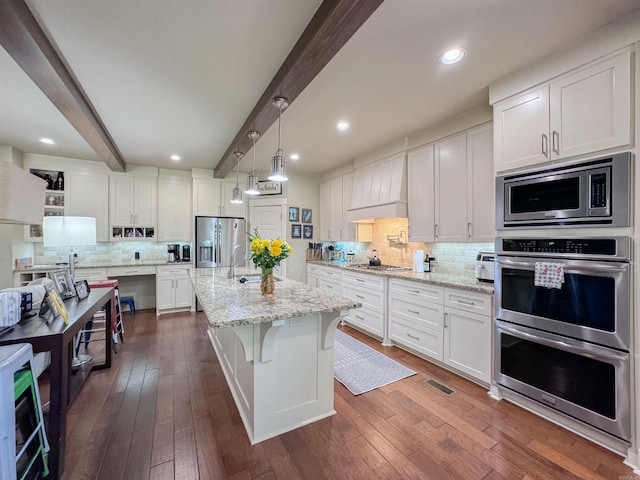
276, 351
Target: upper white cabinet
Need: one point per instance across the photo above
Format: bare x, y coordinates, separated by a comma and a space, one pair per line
174, 210
451, 189
349, 229
87, 195
133, 206
331, 210
212, 198
584, 111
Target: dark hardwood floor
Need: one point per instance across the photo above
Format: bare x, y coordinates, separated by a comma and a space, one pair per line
163, 411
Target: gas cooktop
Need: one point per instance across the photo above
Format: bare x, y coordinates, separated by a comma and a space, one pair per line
387, 268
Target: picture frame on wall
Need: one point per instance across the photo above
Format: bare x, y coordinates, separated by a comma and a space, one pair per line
307, 231
294, 214
306, 215
296, 230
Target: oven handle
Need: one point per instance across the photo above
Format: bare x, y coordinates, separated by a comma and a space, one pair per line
567, 344
571, 265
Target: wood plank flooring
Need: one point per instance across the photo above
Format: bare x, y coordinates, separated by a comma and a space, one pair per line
164, 412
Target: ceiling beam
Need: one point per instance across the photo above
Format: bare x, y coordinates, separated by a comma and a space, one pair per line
23, 39
331, 27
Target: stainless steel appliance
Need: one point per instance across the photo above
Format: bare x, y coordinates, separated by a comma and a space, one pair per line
594, 192
567, 348
485, 266
186, 253
215, 239
173, 252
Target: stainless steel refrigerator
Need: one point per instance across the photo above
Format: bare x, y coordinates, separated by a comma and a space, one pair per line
216, 238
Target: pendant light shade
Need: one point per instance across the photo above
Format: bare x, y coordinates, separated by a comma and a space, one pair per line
252, 179
278, 163
236, 196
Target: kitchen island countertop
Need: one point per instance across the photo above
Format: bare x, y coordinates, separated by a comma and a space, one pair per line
229, 303
465, 281
130, 263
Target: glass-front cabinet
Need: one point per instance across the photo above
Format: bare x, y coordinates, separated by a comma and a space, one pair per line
54, 201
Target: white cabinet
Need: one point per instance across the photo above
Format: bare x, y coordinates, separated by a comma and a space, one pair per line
380, 183
584, 111
467, 333
327, 278
174, 210
421, 197
331, 210
54, 201
452, 189
174, 291
91, 274
370, 290
450, 325
87, 195
348, 230
132, 207
213, 198
481, 191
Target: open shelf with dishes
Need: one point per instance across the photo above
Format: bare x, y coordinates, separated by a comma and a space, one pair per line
54, 200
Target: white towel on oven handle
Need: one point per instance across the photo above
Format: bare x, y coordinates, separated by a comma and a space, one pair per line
549, 274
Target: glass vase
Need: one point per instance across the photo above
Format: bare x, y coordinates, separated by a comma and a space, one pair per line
267, 285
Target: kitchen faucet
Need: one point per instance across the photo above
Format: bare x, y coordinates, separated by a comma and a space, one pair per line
231, 273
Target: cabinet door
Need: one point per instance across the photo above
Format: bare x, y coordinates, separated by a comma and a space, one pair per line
228, 209
325, 211
164, 292
481, 204
451, 189
336, 209
421, 194
87, 195
146, 198
121, 200
174, 210
590, 110
521, 135
206, 197
349, 229
183, 291
467, 343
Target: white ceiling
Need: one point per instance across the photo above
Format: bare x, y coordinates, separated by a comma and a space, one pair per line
181, 77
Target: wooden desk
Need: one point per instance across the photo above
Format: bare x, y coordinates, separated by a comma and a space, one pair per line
57, 338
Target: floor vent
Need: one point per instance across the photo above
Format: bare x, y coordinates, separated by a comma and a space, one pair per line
439, 386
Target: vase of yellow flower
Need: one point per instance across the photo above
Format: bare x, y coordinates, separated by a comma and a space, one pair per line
267, 254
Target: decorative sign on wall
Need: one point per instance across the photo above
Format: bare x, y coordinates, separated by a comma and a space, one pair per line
267, 187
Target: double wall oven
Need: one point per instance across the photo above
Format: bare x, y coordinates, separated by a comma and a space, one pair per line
567, 347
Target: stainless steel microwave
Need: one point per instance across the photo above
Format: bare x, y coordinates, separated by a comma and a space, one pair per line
589, 193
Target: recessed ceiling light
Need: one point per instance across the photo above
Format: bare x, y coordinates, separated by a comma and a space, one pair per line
342, 126
453, 55
294, 157
175, 157
47, 141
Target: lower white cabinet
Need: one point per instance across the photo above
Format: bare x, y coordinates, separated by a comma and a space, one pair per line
370, 291
447, 324
327, 278
174, 291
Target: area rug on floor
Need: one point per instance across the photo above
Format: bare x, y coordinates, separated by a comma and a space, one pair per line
360, 368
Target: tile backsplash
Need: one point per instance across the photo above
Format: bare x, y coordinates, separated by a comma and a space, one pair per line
390, 240
103, 252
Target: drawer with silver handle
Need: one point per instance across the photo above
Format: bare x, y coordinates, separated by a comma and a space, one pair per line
425, 314
363, 280
423, 340
130, 271
366, 319
369, 298
468, 301
416, 290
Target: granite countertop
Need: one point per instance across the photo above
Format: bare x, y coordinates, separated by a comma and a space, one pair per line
229, 303
465, 281
132, 263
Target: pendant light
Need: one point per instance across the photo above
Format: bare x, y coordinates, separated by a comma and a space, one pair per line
236, 197
252, 179
278, 165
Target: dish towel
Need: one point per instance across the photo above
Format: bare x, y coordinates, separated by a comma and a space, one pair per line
548, 274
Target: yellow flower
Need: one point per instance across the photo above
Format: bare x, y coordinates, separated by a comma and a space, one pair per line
265, 242
288, 247
275, 250
256, 245
277, 242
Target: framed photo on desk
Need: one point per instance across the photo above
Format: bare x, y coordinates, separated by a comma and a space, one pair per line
82, 289
64, 285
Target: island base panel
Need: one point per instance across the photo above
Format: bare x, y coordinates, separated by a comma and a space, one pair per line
290, 387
